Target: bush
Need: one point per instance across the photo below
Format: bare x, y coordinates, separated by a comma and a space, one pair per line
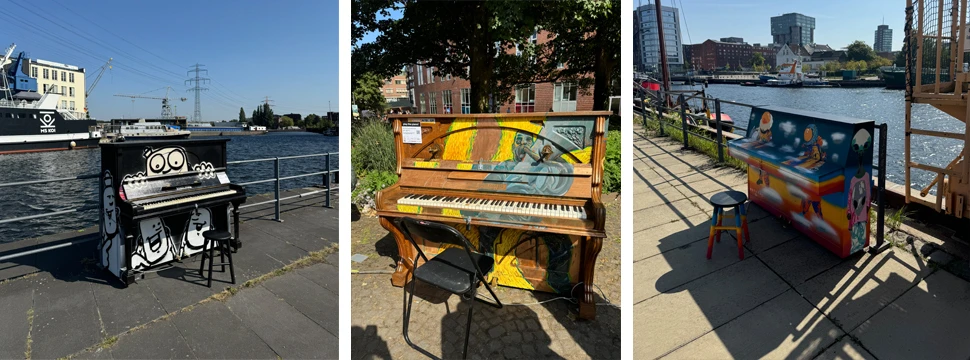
373, 148
611, 167
369, 185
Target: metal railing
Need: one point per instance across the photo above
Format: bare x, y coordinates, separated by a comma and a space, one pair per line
277, 179
659, 109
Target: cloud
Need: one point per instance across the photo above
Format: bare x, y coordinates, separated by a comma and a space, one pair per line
796, 192
835, 157
798, 141
787, 149
838, 137
787, 127
771, 196
823, 227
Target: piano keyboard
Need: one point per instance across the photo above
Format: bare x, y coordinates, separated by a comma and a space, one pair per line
503, 206
188, 199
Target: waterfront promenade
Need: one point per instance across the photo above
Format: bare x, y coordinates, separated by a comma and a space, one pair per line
284, 304
789, 298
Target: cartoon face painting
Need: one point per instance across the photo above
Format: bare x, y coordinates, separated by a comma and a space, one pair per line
199, 222
764, 127
166, 160
109, 215
860, 143
155, 242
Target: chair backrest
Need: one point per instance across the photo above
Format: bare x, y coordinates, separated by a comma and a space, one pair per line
437, 232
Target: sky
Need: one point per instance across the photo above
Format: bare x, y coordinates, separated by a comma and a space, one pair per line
287, 50
837, 22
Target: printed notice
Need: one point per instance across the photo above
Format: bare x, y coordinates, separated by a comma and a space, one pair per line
411, 132
223, 179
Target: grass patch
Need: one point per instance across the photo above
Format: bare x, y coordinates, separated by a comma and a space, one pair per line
30, 328
108, 342
672, 129
895, 219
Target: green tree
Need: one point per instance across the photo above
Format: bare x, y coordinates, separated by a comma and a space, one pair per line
286, 122
859, 51
900, 59
242, 116
757, 60
325, 123
312, 121
367, 93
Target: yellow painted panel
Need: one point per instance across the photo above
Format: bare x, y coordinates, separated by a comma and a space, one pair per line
464, 166
506, 269
582, 154
413, 209
458, 146
451, 212
426, 164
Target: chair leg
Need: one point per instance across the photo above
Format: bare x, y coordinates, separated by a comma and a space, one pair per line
222, 253
740, 230
468, 325
720, 221
202, 263
744, 223
710, 239
407, 312
211, 260
232, 272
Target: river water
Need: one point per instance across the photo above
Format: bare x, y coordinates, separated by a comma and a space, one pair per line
881, 105
41, 198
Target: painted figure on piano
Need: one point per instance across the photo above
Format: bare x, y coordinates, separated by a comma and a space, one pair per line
199, 222
153, 245
110, 232
764, 128
857, 208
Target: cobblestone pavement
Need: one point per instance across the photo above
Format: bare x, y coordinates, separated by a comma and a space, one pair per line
789, 298
547, 330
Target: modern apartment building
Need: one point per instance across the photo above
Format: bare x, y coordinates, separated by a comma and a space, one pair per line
650, 40
884, 39
793, 29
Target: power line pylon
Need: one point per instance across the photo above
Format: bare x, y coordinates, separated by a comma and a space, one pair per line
198, 89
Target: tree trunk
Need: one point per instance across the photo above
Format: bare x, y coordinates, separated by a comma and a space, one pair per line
481, 61
601, 79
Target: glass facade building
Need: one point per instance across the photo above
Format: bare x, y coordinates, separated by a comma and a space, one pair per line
793, 29
650, 41
884, 39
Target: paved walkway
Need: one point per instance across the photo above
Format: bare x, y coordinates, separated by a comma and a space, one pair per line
789, 297
59, 304
523, 329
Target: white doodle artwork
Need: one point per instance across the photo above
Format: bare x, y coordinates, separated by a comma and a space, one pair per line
110, 232
199, 222
153, 245
205, 170
161, 161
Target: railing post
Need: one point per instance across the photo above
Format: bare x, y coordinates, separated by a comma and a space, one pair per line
328, 180
643, 106
277, 192
683, 119
717, 123
881, 209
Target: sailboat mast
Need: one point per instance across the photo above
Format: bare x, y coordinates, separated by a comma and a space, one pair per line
665, 71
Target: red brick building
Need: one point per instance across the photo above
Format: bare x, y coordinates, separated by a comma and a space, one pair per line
449, 94
714, 55
395, 87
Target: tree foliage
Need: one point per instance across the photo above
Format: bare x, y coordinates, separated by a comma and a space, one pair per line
286, 122
242, 116
859, 51
263, 115
367, 93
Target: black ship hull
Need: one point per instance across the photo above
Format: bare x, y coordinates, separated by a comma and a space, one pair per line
33, 130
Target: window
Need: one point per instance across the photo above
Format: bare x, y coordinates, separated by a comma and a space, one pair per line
398, 82
564, 97
72, 105
420, 75
389, 91
63, 104
434, 102
423, 111
63, 76
72, 91
33, 72
525, 98
431, 75
72, 77
45, 88
63, 90
466, 101
54, 75
46, 72
446, 101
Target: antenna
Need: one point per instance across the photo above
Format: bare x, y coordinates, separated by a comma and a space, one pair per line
197, 116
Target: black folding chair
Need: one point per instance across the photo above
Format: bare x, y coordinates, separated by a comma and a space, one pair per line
456, 270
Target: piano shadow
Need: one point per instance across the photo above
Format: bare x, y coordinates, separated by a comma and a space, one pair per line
72, 263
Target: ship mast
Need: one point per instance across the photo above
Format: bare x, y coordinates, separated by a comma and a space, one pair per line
665, 71
6, 86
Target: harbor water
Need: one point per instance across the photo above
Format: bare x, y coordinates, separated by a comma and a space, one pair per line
880, 105
35, 199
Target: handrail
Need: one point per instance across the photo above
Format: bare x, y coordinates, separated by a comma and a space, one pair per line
275, 179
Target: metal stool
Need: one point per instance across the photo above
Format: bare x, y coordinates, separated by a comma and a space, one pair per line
221, 240
727, 199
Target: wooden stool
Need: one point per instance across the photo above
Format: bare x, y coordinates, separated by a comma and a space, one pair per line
220, 239
727, 199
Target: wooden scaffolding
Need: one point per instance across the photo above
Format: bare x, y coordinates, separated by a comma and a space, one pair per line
937, 75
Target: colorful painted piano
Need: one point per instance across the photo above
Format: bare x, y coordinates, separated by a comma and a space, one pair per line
813, 169
524, 188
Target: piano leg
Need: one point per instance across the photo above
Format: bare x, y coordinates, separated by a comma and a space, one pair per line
405, 251
236, 243
590, 250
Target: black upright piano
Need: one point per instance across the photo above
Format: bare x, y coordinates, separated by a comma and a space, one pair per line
158, 197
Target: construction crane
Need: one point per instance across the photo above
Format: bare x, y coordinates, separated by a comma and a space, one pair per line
167, 112
94, 83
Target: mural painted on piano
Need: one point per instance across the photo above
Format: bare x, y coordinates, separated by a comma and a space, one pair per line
156, 240
812, 169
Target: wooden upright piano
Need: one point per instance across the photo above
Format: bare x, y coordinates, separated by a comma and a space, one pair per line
524, 188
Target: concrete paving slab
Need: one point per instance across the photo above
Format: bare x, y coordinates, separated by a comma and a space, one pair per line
643, 172
854, 290
670, 236
799, 259
846, 349
183, 288
310, 299
664, 323
16, 299
674, 268
118, 319
285, 329
65, 319
663, 214
905, 328
326, 276
213, 323
157, 341
768, 233
654, 195
786, 327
